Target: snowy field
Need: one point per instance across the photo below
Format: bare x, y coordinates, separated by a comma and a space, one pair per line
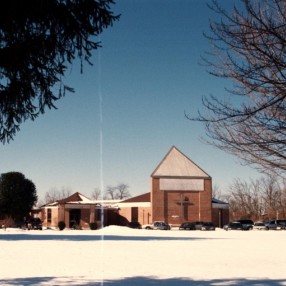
122, 256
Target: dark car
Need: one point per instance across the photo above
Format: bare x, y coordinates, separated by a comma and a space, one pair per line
161, 225
208, 226
197, 225
247, 224
187, 225
202, 225
19, 224
34, 223
235, 225
135, 224
194, 225
276, 224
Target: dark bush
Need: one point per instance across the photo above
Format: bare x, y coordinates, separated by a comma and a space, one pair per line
93, 225
61, 225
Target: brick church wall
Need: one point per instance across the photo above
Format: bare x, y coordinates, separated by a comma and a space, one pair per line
176, 207
157, 201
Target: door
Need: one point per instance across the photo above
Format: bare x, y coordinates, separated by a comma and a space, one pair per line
75, 217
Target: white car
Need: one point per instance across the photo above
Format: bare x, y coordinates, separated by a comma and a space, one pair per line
259, 225
157, 225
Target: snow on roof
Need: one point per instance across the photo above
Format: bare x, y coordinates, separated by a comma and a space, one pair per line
132, 204
84, 199
176, 164
106, 203
80, 199
76, 197
140, 198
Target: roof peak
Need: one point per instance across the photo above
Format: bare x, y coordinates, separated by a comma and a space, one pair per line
177, 164
74, 198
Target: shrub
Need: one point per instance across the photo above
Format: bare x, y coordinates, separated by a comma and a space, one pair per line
61, 225
93, 225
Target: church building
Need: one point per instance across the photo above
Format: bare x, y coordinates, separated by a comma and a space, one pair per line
180, 191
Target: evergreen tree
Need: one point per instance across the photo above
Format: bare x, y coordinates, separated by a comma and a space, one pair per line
17, 195
38, 39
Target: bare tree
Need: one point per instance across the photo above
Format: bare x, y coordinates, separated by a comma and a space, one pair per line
122, 191
96, 194
242, 200
249, 49
274, 195
264, 198
111, 192
54, 194
118, 192
282, 201
216, 192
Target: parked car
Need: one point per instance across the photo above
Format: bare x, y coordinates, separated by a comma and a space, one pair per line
275, 224
162, 225
194, 225
259, 225
208, 226
235, 225
19, 224
282, 222
197, 225
187, 225
34, 223
247, 224
135, 224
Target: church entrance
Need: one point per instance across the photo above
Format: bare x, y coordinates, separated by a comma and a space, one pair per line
75, 217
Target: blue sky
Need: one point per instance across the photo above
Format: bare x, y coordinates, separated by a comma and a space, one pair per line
128, 108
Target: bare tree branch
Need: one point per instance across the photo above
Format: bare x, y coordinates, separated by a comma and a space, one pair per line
249, 48
261, 199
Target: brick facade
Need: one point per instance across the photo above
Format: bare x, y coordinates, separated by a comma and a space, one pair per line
176, 207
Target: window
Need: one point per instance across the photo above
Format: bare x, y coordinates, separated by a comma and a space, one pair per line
49, 215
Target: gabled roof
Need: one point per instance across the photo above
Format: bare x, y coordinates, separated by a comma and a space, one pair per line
76, 197
176, 164
141, 198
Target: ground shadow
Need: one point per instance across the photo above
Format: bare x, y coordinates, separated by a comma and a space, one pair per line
82, 237
140, 281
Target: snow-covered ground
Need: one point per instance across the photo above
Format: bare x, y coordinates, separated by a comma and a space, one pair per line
122, 256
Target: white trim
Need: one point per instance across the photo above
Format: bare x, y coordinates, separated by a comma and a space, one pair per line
130, 205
